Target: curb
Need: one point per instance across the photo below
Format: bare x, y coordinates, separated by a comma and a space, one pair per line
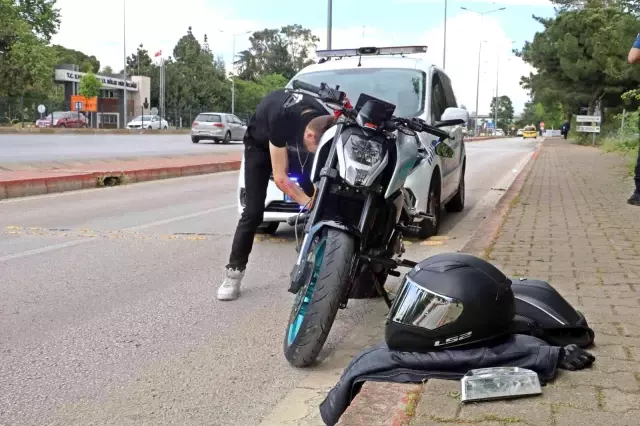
369, 408
483, 238
89, 180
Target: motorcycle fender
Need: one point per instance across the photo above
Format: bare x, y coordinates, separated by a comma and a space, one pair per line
302, 269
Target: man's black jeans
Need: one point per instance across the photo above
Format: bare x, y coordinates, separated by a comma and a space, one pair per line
257, 171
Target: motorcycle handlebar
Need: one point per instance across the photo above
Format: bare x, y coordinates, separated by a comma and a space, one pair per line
297, 84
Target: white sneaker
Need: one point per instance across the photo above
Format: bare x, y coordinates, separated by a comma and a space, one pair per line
230, 288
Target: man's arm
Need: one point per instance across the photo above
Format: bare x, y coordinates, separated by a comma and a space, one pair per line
280, 166
634, 53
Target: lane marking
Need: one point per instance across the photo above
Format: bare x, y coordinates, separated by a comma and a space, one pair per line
52, 247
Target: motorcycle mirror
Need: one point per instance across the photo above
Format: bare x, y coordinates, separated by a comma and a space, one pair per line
444, 150
445, 123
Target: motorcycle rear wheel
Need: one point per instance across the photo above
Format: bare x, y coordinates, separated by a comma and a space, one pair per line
317, 302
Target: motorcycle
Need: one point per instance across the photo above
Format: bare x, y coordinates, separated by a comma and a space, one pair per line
353, 232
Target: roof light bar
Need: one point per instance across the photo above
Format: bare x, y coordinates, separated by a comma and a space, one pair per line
369, 51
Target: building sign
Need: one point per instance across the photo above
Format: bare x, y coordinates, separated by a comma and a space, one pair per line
80, 103
107, 82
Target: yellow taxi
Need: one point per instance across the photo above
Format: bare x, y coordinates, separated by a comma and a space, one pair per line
529, 132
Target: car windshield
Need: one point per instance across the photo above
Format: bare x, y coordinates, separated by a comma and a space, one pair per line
529, 129
208, 118
56, 115
402, 87
143, 118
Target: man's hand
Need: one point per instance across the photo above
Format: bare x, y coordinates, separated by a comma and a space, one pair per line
280, 166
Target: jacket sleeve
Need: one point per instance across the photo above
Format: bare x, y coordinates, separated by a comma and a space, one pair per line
377, 362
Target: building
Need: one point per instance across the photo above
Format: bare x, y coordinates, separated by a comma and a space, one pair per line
110, 108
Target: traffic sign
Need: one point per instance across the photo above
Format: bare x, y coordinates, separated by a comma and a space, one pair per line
154, 111
41, 109
588, 118
588, 129
78, 106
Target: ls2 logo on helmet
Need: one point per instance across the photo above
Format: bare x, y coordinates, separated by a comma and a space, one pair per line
453, 339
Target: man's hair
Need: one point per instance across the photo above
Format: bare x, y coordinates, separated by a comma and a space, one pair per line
321, 124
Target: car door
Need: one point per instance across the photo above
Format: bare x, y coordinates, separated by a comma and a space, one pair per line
239, 129
456, 142
438, 105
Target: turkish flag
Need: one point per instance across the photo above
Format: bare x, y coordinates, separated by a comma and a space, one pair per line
158, 53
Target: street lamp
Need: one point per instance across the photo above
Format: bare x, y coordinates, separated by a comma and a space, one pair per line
495, 106
233, 69
479, 53
124, 44
329, 24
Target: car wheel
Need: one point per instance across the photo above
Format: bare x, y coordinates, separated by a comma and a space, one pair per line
149, 128
165, 128
227, 138
428, 228
194, 139
456, 204
62, 126
270, 228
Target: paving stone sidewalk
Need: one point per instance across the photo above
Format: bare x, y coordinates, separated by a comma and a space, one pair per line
570, 225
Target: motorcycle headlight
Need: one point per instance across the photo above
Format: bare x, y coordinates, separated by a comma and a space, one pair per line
363, 151
362, 156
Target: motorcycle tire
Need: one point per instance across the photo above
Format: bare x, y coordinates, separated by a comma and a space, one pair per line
317, 302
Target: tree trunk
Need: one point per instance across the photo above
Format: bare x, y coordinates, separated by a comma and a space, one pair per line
595, 98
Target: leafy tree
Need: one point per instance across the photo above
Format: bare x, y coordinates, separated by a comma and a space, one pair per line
90, 85
249, 93
85, 62
580, 57
505, 110
140, 63
283, 51
41, 15
108, 71
26, 62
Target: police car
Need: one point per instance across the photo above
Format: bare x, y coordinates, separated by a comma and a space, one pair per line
419, 89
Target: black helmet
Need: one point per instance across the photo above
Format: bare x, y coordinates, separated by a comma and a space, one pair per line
450, 300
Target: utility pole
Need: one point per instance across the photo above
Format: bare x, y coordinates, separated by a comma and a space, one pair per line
233, 69
479, 50
124, 44
329, 23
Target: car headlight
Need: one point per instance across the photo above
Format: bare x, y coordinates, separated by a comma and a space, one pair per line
362, 157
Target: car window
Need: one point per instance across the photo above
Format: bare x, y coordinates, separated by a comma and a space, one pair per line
438, 101
405, 88
236, 119
209, 118
449, 95
529, 128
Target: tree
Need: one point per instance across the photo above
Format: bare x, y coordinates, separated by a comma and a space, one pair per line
90, 85
140, 63
283, 51
505, 111
26, 61
108, 71
579, 57
41, 15
249, 93
84, 62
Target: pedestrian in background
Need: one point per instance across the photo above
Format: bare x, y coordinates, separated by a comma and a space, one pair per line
634, 58
566, 126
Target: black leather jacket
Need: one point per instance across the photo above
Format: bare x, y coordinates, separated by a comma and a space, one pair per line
379, 363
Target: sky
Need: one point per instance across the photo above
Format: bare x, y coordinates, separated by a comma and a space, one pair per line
159, 25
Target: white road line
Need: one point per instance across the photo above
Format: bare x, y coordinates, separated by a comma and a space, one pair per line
133, 228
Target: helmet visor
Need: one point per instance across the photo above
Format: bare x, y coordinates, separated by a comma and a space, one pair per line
416, 306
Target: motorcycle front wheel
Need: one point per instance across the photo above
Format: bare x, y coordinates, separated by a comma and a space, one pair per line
317, 302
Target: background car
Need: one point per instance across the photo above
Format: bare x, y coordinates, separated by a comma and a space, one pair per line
150, 122
418, 89
62, 119
499, 132
519, 132
529, 132
218, 127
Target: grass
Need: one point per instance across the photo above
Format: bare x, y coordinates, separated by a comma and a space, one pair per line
624, 145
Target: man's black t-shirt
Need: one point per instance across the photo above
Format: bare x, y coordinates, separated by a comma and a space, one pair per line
274, 123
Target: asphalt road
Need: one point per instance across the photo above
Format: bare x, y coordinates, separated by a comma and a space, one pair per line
108, 312
34, 148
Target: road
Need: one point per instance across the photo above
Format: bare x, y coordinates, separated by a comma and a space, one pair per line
108, 312
36, 148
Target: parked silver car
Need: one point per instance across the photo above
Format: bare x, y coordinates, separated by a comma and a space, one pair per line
218, 127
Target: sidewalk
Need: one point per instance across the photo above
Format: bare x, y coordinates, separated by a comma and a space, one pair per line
569, 225
43, 178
